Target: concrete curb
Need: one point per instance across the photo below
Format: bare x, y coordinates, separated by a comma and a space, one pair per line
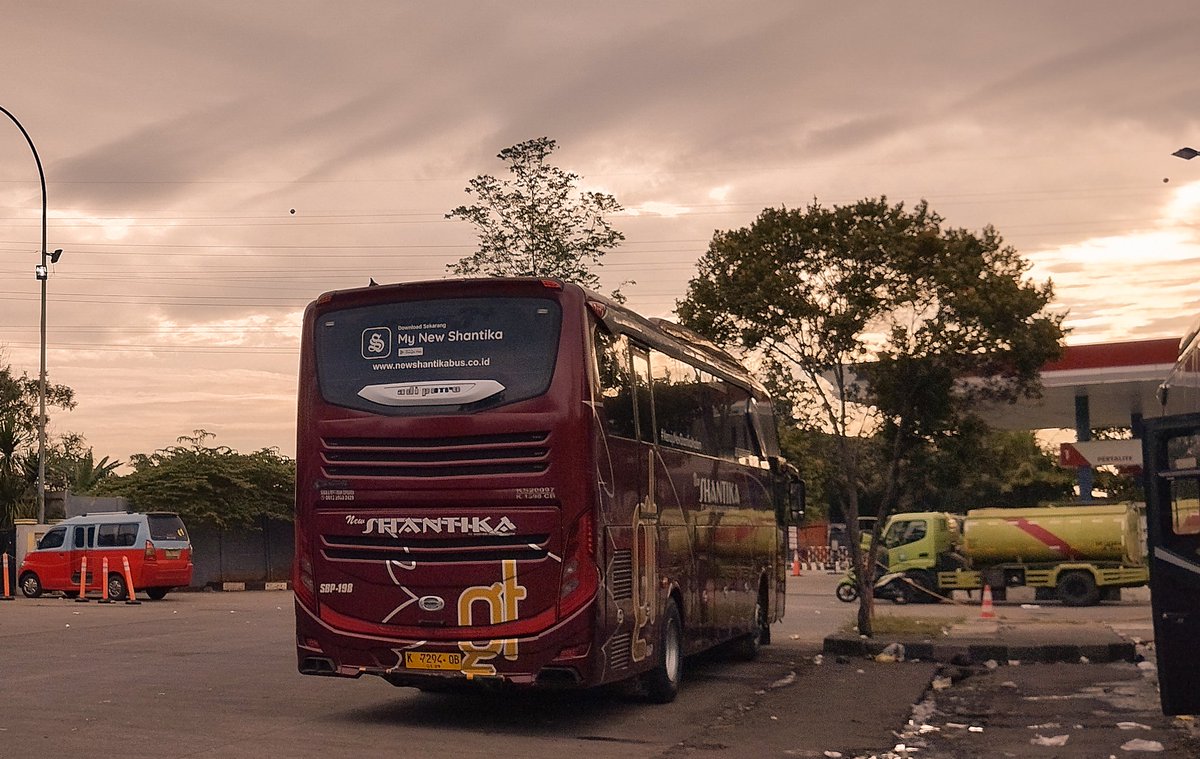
979, 651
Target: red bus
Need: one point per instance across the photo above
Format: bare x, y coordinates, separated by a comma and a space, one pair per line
521, 481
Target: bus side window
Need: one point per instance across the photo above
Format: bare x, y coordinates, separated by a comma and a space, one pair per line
679, 405
643, 402
616, 385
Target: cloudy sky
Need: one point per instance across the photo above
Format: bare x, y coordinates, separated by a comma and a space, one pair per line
178, 136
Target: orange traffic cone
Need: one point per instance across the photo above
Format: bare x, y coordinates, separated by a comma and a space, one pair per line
987, 611
796, 565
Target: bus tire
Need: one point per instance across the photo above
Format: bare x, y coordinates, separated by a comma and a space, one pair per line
747, 646
1078, 588
662, 682
31, 586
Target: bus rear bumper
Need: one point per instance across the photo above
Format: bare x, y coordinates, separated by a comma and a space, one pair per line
561, 656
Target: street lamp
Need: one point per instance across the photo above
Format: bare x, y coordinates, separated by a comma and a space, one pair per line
42, 273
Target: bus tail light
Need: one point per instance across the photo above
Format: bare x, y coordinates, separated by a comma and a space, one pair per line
303, 584
150, 555
580, 578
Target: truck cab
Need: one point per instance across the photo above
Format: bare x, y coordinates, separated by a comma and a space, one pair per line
920, 540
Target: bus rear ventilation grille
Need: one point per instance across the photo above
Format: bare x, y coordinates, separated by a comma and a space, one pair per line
507, 453
408, 443
436, 557
426, 543
387, 470
619, 650
620, 575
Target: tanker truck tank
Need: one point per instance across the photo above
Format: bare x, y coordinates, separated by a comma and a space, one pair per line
1111, 532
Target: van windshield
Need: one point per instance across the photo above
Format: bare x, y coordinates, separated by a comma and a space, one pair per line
166, 527
54, 538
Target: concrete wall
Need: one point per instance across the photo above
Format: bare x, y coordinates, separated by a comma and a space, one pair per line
241, 555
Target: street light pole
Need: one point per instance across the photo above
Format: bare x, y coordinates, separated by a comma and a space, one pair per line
42, 273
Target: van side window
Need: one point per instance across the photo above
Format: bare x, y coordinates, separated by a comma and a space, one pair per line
54, 538
81, 537
116, 535
127, 535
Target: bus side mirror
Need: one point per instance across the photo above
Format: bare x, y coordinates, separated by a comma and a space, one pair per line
796, 500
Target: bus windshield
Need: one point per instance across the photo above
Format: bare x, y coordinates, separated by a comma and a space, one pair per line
446, 355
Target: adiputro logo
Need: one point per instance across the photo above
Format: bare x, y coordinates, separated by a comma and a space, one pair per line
376, 342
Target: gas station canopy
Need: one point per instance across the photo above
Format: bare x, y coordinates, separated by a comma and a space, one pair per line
1116, 382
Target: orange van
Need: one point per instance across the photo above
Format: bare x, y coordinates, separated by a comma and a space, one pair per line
156, 545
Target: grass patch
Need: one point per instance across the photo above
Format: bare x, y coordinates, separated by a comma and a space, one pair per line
886, 624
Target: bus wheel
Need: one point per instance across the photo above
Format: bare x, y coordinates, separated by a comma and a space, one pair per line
1078, 589
747, 647
116, 588
662, 682
31, 586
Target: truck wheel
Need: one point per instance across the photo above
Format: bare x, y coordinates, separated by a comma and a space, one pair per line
662, 682
923, 589
1078, 589
31, 586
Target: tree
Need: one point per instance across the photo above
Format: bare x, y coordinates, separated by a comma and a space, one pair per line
19, 416
879, 326
74, 467
535, 224
204, 483
975, 467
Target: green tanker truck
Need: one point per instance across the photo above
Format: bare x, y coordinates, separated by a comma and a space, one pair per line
1079, 554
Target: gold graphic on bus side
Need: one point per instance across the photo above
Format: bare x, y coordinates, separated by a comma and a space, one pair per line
645, 567
501, 600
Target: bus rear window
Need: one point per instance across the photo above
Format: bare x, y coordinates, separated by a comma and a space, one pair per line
422, 357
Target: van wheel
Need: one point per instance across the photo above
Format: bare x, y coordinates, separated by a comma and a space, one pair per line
1078, 589
116, 588
157, 594
662, 682
31, 586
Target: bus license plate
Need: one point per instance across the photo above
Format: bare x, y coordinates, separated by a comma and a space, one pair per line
432, 660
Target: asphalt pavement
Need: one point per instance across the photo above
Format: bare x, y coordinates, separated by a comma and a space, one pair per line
213, 674
1021, 679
